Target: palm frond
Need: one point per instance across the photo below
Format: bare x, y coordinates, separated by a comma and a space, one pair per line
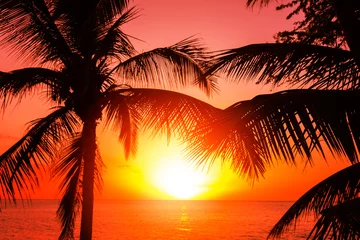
338, 188
229, 139
107, 10
82, 26
99, 166
20, 163
28, 28
176, 66
104, 10
340, 222
167, 112
79, 26
280, 126
124, 118
261, 3
303, 119
69, 169
113, 42
18, 83
161, 111
291, 63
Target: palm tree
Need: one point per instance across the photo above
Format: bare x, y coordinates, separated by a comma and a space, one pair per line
86, 65
252, 134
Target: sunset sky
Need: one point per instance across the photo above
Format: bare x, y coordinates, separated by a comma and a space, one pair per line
162, 23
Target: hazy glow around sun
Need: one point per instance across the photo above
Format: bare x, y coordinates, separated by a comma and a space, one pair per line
178, 180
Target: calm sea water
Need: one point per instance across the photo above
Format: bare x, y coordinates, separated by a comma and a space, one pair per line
147, 220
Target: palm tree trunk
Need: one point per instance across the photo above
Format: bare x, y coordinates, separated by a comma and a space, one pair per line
350, 25
89, 133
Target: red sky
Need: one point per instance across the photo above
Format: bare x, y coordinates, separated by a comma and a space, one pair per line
222, 25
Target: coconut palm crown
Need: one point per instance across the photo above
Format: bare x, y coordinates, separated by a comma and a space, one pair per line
90, 71
323, 114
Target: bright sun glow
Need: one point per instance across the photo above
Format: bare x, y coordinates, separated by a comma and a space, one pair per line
179, 180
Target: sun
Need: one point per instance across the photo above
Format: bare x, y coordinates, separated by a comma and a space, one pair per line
178, 180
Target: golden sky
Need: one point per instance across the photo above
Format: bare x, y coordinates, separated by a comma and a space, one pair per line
158, 171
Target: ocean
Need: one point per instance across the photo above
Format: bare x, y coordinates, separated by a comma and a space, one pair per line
150, 220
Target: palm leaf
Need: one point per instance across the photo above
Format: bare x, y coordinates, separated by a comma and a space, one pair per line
107, 10
161, 111
167, 112
338, 188
70, 171
176, 66
103, 11
280, 126
302, 119
292, 63
113, 42
19, 165
252, 3
123, 118
230, 140
339, 222
27, 27
18, 83
82, 27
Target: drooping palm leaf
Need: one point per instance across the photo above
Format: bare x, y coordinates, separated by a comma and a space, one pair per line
234, 142
69, 169
19, 83
98, 171
20, 163
279, 126
176, 66
231, 140
338, 188
341, 222
168, 112
302, 118
123, 118
294, 63
162, 111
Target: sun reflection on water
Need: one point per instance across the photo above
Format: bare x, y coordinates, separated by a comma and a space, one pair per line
184, 223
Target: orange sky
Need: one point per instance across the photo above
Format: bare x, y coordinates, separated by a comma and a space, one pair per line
222, 25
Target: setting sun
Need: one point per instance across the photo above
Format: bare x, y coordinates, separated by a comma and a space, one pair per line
177, 179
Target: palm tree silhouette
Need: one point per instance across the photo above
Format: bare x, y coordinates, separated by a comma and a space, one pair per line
252, 134
86, 65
